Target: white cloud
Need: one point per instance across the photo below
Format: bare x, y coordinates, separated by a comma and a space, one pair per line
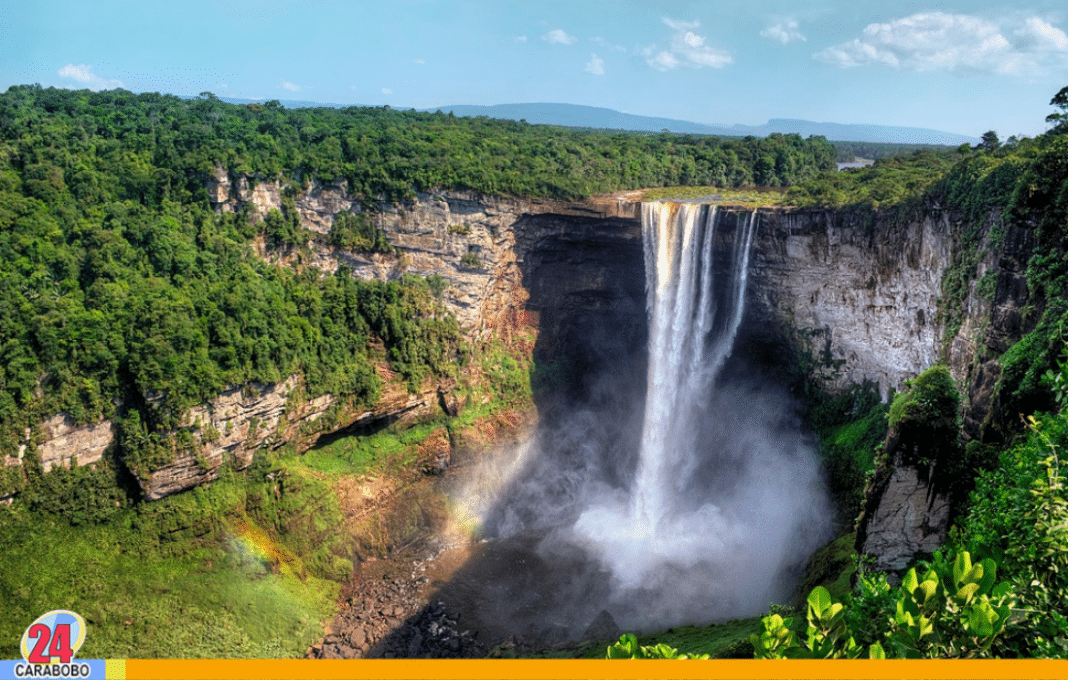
521, 38
662, 61
595, 65
687, 49
1037, 34
785, 31
558, 37
292, 87
386, 90
937, 41
419, 62
83, 73
599, 40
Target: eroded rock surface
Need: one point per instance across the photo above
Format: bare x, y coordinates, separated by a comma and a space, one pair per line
862, 290
908, 518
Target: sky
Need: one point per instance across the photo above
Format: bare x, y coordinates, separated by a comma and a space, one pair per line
963, 67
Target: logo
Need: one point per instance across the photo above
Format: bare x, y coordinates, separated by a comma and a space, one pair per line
49, 645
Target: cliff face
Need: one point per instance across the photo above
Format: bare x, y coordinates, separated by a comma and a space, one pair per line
861, 292
515, 242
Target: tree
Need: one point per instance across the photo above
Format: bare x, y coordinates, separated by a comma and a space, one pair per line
1059, 121
990, 141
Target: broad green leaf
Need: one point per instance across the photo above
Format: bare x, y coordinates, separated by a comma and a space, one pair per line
967, 592
1002, 589
876, 651
819, 599
910, 581
990, 570
974, 575
927, 590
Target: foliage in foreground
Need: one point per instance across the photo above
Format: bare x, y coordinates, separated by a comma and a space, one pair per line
1019, 516
628, 648
954, 610
1017, 522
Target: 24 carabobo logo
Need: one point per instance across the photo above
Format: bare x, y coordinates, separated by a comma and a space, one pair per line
49, 645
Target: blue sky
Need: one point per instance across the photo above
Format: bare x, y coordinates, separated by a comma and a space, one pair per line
957, 66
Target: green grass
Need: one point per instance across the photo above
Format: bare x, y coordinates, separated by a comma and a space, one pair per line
212, 601
356, 455
728, 640
750, 197
722, 640
831, 566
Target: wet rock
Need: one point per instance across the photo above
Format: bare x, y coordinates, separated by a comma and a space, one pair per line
603, 627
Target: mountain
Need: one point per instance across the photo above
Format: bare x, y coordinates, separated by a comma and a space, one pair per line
576, 115
573, 115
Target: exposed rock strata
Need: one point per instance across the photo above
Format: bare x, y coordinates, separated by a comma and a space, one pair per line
907, 518
240, 421
864, 290
64, 439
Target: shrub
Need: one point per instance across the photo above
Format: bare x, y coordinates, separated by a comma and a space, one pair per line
954, 611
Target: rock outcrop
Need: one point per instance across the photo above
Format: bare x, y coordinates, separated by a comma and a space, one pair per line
64, 439
907, 517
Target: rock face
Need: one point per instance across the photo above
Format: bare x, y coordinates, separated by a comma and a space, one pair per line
242, 420
64, 439
906, 517
862, 291
513, 240
994, 318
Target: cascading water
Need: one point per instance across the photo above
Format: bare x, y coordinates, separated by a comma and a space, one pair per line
724, 499
694, 315
678, 240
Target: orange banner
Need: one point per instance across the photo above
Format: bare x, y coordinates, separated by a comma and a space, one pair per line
446, 669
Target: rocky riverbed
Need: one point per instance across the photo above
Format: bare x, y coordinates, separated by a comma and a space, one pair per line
390, 611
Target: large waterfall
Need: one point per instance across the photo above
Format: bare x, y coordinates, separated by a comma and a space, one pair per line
726, 497
696, 501
683, 361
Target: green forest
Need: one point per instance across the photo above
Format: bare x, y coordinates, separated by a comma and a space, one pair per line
119, 280
125, 295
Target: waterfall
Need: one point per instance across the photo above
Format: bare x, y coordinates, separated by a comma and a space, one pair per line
698, 502
683, 361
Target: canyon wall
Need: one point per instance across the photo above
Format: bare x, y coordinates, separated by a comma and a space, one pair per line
512, 239
859, 291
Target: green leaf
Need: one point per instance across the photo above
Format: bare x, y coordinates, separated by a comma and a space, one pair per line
876, 651
626, 648
819, 599
990, 570
961, 566
910, 581
978, 621
1001, 590
927, 589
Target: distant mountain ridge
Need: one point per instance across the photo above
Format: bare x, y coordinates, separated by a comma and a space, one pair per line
574, 115
577, 115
